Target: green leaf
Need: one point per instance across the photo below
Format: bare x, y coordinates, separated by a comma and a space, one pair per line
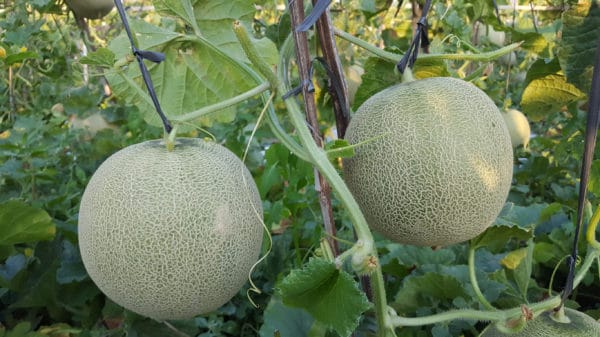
421, 291
548, 94
330, 295
496, 237
513, 259
23, 329
542, 68
71, 267
594, 185
415, 256
215, 19
577, 48
102, 57
192, 76
533, 42
19, 57
179, 8
522, 273
339, 148
523, 216
20, 223
380, 74
430, 68
290, 322
12, 272
41, 289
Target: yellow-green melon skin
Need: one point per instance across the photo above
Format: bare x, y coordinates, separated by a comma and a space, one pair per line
170, 234
581, 325
436, 164
91, 9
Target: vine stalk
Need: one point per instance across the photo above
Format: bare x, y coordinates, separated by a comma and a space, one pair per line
474, 283
393, 57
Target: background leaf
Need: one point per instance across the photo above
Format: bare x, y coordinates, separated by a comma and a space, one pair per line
422, 291
101, 57
496, 237
580, 36
20, 223
290, 322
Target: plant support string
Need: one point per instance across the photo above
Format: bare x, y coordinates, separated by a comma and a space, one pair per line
142, 55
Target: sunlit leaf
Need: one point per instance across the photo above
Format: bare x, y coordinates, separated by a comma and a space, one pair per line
514, 258
548, 94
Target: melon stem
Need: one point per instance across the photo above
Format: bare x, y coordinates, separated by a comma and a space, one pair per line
474, 283
407, 75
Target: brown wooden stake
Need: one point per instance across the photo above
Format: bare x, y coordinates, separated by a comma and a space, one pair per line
303, 61
327, 42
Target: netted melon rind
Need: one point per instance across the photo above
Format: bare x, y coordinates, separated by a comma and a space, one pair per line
581, 325
440, 167
170, 235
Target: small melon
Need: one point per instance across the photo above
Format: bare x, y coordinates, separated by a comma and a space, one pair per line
353, 80
518, 127
91, 9
580, 325
435, 162
508, 59
170, 234
495, 37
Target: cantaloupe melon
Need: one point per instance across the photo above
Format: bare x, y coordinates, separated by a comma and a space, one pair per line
496, 37
436, 164
91, 9
581, 325
518, 127
353, 80
170, 234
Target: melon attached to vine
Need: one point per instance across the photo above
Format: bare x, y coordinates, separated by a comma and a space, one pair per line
90, 9
578, 324
435, 162
171, 234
